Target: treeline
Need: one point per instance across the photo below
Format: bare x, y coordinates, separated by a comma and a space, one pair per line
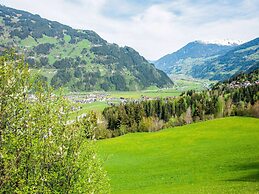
189, 107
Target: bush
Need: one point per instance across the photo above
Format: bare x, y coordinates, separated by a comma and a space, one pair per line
174, 122
150, 124
39, 151
255, 110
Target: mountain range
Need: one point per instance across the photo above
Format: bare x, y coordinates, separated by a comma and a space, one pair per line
79, 60
211, 60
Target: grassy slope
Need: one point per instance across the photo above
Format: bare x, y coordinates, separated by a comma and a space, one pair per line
219, 156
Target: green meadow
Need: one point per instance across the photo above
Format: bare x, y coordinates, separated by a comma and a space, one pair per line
152, 93
217, 156
97, 107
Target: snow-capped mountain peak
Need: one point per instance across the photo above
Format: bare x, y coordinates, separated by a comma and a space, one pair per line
225, 42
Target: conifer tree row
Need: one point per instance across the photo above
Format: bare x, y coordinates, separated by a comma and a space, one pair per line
190, 106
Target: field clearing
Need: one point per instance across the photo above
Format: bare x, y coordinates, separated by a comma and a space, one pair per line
161, 93
48, 73
136, 94
97, 107
185, 83
217, 156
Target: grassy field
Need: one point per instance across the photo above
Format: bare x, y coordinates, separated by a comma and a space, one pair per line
218, 156
162, 93
185, 83
95, 106
137, 94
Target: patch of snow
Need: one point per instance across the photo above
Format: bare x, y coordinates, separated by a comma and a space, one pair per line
225, 42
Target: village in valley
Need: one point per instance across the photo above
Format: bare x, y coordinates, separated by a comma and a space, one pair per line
103, 97
237, 84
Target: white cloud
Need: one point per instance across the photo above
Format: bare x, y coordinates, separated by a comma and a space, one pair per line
154, 28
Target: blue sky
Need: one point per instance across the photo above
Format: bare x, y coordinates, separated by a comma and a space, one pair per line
153, 27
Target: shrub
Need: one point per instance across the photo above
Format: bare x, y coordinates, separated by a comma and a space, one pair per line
39, 151
150, 124
255, 110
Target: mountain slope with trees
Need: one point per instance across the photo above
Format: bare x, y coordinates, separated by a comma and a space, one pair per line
79, 60
182, 61
211, 61
242, 58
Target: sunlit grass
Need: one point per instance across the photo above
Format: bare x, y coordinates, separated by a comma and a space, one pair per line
97, 107
218, 156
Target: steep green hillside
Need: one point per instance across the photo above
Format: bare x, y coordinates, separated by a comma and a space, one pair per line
242, 58
77, 59
218, 156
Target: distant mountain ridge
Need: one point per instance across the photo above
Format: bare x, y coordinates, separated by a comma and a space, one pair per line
211, 60
79, 60
181, 61
242, 58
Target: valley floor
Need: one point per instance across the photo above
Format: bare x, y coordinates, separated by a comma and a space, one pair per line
115, 97
217, 156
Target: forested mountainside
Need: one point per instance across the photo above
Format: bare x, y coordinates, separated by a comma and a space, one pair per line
242, 58
181, 61
79, 60
241, 80
211, 61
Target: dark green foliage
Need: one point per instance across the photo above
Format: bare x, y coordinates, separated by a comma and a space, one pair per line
64, 63
21, 34
78, 72
31, 61
43, 48
106, 86
62, 77
44, 61
119, 82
